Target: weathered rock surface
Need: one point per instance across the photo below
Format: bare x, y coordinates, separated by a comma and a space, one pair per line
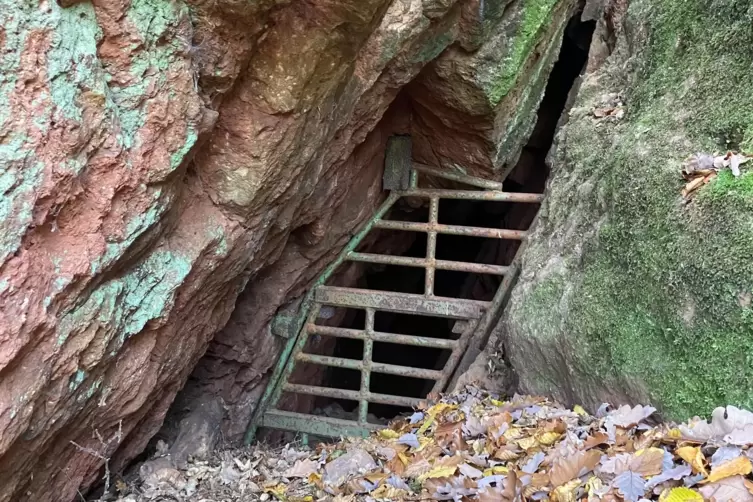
159, 158
627, 293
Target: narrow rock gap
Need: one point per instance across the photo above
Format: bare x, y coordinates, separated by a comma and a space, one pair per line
529, 175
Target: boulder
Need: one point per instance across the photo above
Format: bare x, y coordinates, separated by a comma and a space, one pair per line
630, 293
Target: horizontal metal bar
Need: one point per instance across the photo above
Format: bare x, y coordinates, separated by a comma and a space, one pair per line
494, 233
491, 195
389, 301
459, 266
351, 395
353, 364
335, 362
315, 424
462, 178
357, 334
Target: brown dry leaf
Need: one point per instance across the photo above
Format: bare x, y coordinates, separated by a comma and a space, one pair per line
505, 493
507, 452
597, 439
417, 468
565, 469
734, 489
451, 434
647, 462
692, 186
396, 465
739, 466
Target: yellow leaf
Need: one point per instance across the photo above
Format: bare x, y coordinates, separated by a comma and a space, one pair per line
440, 408
693, 456
427, 423
578, 409
528, 443
388, 434
594, 485
681, 494
278, 491
495, 402
403, 458
566, 492
548, 438
740, 465
497, 469
439, 472
674, 434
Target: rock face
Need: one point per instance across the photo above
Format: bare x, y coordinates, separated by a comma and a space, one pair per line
161, 159
629, 294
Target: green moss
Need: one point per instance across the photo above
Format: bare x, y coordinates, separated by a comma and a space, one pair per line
537, 15
726, 190
658, 288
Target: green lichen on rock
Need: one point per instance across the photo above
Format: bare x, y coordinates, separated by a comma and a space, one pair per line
659, 291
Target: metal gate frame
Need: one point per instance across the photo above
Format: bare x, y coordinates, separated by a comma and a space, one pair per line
477, 317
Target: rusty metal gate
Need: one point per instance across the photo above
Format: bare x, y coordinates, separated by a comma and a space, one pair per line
473, 319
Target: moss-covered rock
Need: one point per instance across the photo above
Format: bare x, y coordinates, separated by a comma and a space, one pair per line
627, 292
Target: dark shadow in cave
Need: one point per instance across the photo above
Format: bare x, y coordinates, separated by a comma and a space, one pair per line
529, 175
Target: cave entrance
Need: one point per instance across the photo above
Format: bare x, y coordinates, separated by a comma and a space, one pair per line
433, 267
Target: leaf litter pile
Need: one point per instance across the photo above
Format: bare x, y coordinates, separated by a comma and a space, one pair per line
471, 445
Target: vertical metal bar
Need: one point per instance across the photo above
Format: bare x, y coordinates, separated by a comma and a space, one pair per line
431, 246
368, 350
457, 352
413, 178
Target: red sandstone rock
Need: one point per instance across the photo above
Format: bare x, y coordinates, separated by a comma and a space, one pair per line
159, 159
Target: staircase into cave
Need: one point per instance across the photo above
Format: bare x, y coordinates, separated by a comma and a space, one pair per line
471, 320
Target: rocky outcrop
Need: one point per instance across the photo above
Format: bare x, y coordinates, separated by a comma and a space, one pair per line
628, 294
161, 159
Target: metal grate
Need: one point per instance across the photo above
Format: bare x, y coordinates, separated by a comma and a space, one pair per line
472, 318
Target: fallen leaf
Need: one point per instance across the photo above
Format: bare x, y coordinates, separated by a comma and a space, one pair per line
302, 469
565, 469
735, 489
738, 466
409, 440
631, 486
388, 434
741, 436
442, 471
597, 439
675, 473
627, 417
725, 454
680, 494
693, 456
647, 462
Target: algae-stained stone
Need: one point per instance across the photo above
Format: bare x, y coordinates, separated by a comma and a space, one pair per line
627, 293
475, 106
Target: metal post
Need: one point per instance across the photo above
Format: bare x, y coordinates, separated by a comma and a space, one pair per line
431, 245
368, 349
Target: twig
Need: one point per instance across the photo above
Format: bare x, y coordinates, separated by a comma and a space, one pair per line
104, 448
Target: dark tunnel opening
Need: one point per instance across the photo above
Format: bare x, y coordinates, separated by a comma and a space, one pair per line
530, 175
